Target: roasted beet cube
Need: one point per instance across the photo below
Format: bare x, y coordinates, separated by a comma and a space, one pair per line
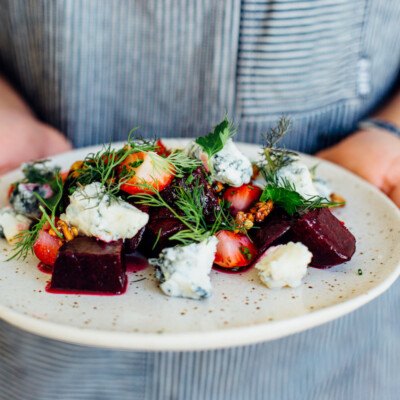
86, 264
130, 245
159, 231
326, 237
272, 229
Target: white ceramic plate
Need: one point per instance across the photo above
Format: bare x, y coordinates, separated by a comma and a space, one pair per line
241, 310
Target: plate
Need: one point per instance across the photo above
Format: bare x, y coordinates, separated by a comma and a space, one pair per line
240, 311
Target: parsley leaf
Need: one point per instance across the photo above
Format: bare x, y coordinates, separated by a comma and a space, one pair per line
287, 198
215, 141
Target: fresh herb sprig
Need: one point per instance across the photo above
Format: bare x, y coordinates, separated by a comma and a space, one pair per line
286, 197
281, 191
189, 209
108, 165
215, 141
25, 239
176, 163
275, 157
103, 166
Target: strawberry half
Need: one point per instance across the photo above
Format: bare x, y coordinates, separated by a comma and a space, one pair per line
234, 250
46, 247
149, 168
161, 150
241, 198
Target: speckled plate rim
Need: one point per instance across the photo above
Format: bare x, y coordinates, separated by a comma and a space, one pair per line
214, 339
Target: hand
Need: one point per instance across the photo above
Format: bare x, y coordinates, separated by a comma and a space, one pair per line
24, 138
373, 155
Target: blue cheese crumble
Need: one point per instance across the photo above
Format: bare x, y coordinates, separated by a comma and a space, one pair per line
12, 223
184, 271
299, 176
97, 214
228, 166
284, 265
322, 187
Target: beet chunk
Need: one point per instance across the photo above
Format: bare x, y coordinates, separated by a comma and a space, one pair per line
88, 265
326, 237
162, 225
273, 228
209, 200
130, 245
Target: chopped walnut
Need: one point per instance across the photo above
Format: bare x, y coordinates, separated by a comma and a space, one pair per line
262, 210
256, 171
244, 221
67, 231
218, 187
338, 199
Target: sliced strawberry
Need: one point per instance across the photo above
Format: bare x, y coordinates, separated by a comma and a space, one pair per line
64, 175
10, 190
46, 247
234, 250
241, 198
161, 150
151, 169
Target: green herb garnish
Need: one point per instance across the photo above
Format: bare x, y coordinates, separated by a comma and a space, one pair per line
215, 141
25, 239
281, 191
188, 209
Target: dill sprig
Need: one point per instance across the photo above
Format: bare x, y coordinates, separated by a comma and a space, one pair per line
108, 165
277, 158
176, 163
282, 192
26, 238
103, 166
188, 209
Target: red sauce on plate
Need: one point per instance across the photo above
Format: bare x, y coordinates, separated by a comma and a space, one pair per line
46, 269
49, 289
135, 262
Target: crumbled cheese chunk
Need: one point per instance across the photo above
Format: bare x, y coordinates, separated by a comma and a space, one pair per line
284, 265
12, 223
322, 187
228, 166
298, 175
97, 214
24, 201
184, 270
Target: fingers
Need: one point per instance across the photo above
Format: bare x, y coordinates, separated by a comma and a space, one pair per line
55, 142
395, 195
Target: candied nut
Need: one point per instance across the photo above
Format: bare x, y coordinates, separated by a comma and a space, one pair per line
52, 233
338, 199
69, 232
244, 221
77, 165
218, 187
256, 171
262, 210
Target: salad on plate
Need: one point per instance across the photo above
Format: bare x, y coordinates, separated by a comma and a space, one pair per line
186, 210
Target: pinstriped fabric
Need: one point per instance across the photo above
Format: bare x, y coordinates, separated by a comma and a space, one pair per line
173, 67
97, 69
298, 62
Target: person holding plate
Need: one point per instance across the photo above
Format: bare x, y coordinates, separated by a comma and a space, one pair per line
80, 73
